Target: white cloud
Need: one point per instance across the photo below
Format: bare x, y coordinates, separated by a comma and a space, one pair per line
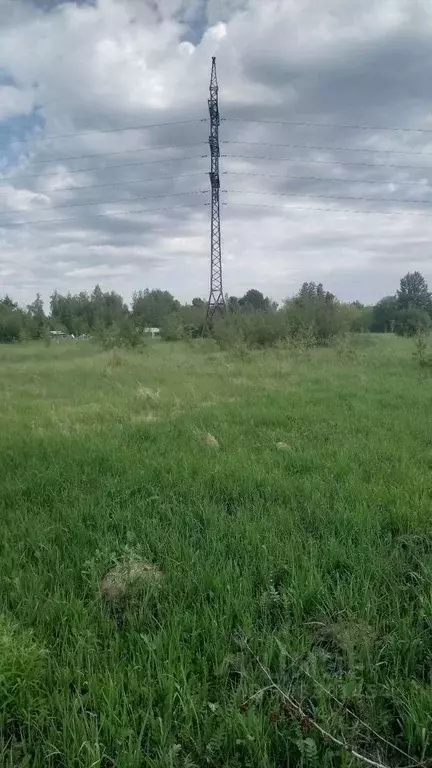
133, 63
14, 102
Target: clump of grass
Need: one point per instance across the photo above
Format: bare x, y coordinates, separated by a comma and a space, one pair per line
115, 360
23, 668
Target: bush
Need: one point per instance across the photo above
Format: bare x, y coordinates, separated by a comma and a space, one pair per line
410, 322
192, 331
228, 331
321, 324
316, 312
11, 326
264, 330
172, 329
255, 330
358, 318
123, 336
384, 314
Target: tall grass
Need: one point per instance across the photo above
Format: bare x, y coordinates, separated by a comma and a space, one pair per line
313, 563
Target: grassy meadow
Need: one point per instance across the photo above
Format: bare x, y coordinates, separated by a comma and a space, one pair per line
296, 578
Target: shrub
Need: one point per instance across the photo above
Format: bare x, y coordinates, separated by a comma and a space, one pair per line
384, 314
123, 336
192, 331
409, 322
358, 318
317, 312
256, 330
11, 326
172, 329
421, 350
264, 330
228, 331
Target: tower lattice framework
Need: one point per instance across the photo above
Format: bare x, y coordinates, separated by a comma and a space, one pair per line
216, 302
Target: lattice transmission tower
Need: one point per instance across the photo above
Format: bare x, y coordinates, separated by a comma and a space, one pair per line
216, 302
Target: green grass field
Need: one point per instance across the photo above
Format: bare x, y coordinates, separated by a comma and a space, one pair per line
310, 566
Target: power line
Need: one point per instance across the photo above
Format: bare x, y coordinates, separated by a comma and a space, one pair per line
52, 136
12, 179
245, 143
328, 210
100, 168
127, 181
335, 197
317, 178
41, 103
330, 162
330, 149
308, 124
20, 177
112, 202
96, 215
118, 152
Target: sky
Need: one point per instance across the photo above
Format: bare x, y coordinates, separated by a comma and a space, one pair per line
326, 145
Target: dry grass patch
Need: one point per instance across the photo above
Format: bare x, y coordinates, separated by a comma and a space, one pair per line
210, 441
283, 446
147, 393
145, 418
126, 580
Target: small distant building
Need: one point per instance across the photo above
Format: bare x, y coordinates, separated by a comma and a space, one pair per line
58, 335
153, 332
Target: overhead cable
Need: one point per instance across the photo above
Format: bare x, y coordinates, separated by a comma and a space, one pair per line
309, 124
11, 179
54, 136
97, 215
112, 202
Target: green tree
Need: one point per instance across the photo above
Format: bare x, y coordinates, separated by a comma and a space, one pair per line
152, 308
197, 302
414, 292
384, 315
232, 303
12, 321
314, 310
36, 320
7, 302
62, 311
254, 301
192, 318
358, 316
83, 313
411, 321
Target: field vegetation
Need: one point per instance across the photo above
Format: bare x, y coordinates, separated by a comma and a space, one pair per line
217, 552
313, 313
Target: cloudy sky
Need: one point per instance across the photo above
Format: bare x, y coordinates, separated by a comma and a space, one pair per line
326, 165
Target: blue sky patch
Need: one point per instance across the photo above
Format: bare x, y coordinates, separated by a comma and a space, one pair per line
6, 78
14, 134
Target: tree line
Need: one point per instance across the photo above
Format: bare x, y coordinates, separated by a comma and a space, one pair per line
312, 312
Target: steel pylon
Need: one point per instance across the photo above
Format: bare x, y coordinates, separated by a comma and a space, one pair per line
216, 302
